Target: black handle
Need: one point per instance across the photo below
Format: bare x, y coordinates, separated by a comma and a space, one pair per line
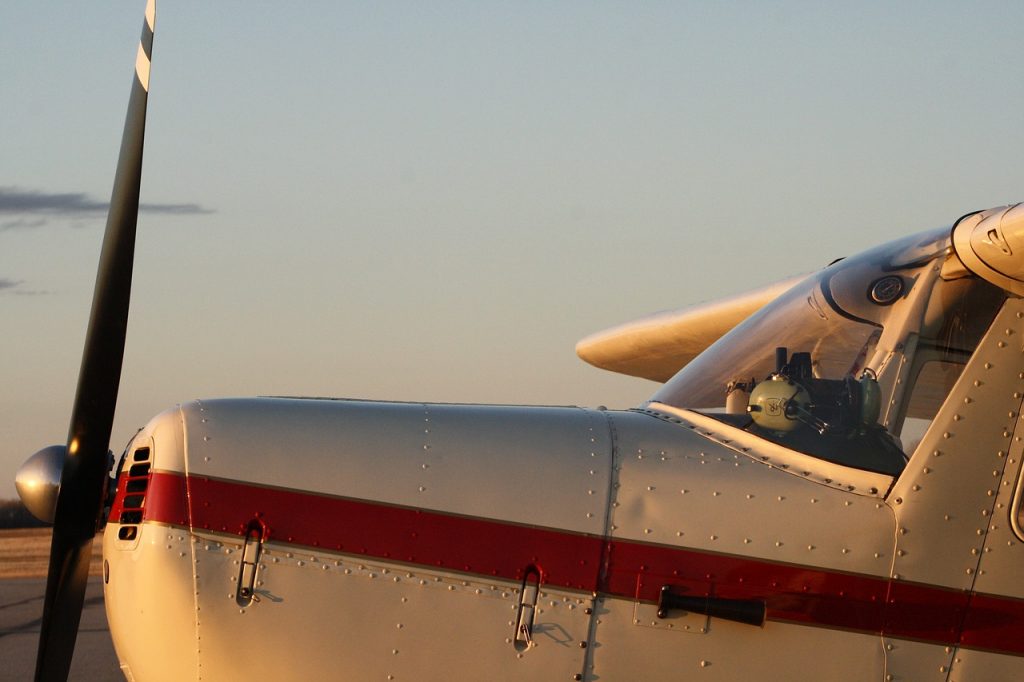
748, 611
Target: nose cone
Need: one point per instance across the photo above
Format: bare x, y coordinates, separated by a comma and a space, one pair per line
38, 481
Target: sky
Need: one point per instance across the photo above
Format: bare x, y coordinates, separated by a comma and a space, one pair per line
436, 201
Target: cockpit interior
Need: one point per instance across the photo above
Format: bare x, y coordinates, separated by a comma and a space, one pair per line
852, 364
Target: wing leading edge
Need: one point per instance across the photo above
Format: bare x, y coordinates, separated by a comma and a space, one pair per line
659, 345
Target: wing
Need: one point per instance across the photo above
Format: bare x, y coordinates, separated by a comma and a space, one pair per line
659, 345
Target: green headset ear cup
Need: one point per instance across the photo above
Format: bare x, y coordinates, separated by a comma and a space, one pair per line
870, 400
773, 404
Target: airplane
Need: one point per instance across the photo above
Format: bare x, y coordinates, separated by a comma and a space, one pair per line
828, 485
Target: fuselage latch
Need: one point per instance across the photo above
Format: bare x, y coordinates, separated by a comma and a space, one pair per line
248, 566
529, 591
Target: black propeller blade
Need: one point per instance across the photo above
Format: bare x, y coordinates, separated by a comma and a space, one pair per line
83, 479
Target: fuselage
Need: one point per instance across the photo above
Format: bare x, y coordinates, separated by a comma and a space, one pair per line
359, 540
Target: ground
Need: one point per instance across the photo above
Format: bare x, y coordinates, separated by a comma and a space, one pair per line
24, 554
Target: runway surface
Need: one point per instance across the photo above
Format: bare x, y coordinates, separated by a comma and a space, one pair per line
24, 556
21, 605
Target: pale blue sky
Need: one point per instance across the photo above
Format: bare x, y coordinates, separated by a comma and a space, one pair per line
435, 201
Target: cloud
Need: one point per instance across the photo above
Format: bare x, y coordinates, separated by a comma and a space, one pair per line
174, 209
10, 286
21, 223
31, 208
17, 201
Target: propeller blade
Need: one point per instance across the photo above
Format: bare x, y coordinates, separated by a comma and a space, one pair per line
83, 480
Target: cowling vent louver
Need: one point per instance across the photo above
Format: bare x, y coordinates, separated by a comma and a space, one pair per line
135, 495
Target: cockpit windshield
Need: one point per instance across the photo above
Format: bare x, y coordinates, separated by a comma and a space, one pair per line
851, 364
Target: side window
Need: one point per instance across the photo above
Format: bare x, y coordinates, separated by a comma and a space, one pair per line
934, 381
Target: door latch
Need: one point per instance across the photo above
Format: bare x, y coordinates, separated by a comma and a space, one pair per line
529, 591
255, 534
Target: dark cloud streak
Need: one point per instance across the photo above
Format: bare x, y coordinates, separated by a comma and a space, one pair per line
175, 209
14, 200
22, 224
15, 288
21, 203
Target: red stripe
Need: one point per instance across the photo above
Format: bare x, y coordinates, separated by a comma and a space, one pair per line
163, 495
635, 570
928, 613
414, 536
994, 623
793, 593
166, 499
117, 506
